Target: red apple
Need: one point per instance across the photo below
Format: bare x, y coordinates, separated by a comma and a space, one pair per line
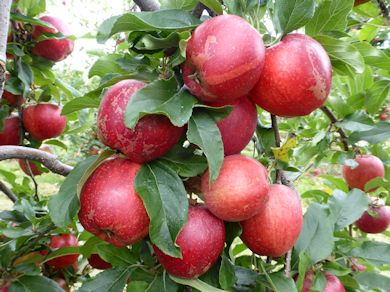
10, 134
225, 56
369, 224
369, 167
44, 121
59, 241
34, 168
109, 206
238, 127
12, 99
201, 242
153, 136
274, 230
98, 263
356, 266
333, 283
54, 50
4, 289
296, 77
239, 192
383, 117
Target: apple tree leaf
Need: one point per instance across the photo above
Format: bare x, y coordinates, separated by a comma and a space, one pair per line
166, 203
377, 253
29, 283
111, 280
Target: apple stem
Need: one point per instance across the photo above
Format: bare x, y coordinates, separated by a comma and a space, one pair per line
333, 120
10, 194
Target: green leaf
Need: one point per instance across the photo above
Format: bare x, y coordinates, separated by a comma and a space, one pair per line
80, 103
137, 286
117, 256
316, 238
370, 30
283, 283
112, 280
377, 95
346, 209
163, 283
106, 65
25, 74
69, 250
380, 133
34, 283
203, 132
160, 97
32, 7
214, 5
377, 253
197, 284
291, 15
342, 52
26, 19
331, 15
227, 276
303, 266
65, 204
161, 20
165, 200
184, 162
372, 281
178, 4
150, 42
373, 56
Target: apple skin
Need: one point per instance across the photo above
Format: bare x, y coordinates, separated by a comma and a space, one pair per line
58, 241
54, 50
201, 241
239, 192
369, 168
12, 99
226, 55
369, 224
275, 229
238, 127
333, 283
10, 134
62, 283
153, 136
296, 78
111, 188
383, 117
44, 121
34, 168
4, 289
98, 263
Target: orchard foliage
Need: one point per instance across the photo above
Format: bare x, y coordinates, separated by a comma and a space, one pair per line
151, 47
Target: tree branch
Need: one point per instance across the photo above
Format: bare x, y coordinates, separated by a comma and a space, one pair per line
333, 120
5, 8
8, 192
385, 11
147, 5
50, 161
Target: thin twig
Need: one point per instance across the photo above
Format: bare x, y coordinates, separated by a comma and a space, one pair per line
333, 120
31, 174
50, 161
10, 194
287, 268
274, 121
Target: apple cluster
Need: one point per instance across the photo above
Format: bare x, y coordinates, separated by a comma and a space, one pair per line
43, 120
225, 61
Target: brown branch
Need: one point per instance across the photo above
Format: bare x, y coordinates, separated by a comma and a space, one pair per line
333, 120
279, 175
5, 8
50, 161
147, 5
383, 8
10, 194
287, 268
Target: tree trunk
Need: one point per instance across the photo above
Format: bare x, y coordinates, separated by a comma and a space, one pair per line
5, 8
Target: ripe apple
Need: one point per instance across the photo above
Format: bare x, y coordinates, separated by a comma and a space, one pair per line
52, 49
225, 56
34, 168
238, 127
10, 134
153, 136
369, 224
333, 283
44, 121
11, 99
58, 241
296, 77
109, 206
239, 192
274, 230
383, 117
4, 289
201, 242
369, 167
98, 263
356, 266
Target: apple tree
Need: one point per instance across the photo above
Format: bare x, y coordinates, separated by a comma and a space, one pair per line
209, 117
